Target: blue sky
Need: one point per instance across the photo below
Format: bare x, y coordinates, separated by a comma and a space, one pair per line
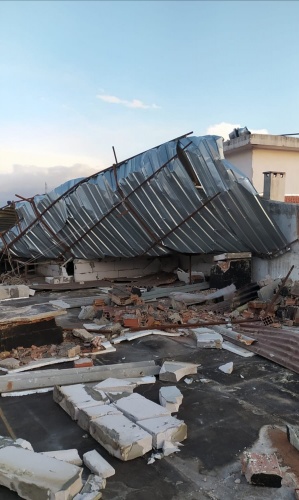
78, 77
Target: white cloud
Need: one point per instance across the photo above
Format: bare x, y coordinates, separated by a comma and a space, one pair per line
28, 181
134, 103
224, 128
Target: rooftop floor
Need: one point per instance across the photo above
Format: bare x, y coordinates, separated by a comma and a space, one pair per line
223, 416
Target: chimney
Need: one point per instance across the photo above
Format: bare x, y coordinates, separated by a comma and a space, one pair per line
274, 186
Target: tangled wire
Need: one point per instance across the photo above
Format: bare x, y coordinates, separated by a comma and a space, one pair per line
11, 279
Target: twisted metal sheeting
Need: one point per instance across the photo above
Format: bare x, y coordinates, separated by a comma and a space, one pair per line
182, 196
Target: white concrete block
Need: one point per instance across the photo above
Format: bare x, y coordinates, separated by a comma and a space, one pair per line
97, 464
173, 371
121, 437
227, 368
207, 338
137, 407
86, 415
171, 398
8, 292
74, 397
115, 385
38, 477
70, 456
164, 429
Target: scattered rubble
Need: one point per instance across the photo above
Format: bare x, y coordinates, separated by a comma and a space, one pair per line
173, 371
97, 464
171, 398
33, 475
207, 338
227, 368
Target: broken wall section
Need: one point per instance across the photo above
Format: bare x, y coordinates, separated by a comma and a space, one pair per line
101, 269
286, 216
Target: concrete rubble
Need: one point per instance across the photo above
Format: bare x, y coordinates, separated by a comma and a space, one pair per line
227, 368
121, 437
70, 456
164, 429
171, 398
91, 489
97, 464
207, 338
173, 371
34, 476
218, 309
293, 435
126, 424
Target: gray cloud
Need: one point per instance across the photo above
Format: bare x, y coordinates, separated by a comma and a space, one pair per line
28, 181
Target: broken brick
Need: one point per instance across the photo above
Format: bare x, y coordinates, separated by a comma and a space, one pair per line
261, 469
83, 363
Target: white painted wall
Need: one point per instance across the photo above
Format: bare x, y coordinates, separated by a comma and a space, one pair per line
242, 160
277, 161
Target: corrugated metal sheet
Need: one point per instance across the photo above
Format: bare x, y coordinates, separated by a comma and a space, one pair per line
182, 196
276, 344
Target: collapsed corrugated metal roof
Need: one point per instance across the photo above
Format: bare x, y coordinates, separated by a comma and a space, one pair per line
8, 218
182, 196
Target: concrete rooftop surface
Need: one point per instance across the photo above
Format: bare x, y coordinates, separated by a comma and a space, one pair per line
225, 415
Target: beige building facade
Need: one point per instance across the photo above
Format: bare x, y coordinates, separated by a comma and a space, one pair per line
255, 154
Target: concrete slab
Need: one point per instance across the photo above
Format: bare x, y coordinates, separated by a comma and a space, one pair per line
115, 385
137, 407
86, 415
70, 456
173, 371
121, 437
97, 464
164, 429
72, 398
38, 477
207, 338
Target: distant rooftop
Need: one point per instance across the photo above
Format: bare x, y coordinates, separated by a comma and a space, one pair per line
246, 140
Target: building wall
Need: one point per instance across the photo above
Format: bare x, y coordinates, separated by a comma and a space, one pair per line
264, 160
286, 215
242, 160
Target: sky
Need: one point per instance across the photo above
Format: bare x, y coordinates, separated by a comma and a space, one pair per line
78, 77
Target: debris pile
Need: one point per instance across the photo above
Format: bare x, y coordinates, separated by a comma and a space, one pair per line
125, 423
